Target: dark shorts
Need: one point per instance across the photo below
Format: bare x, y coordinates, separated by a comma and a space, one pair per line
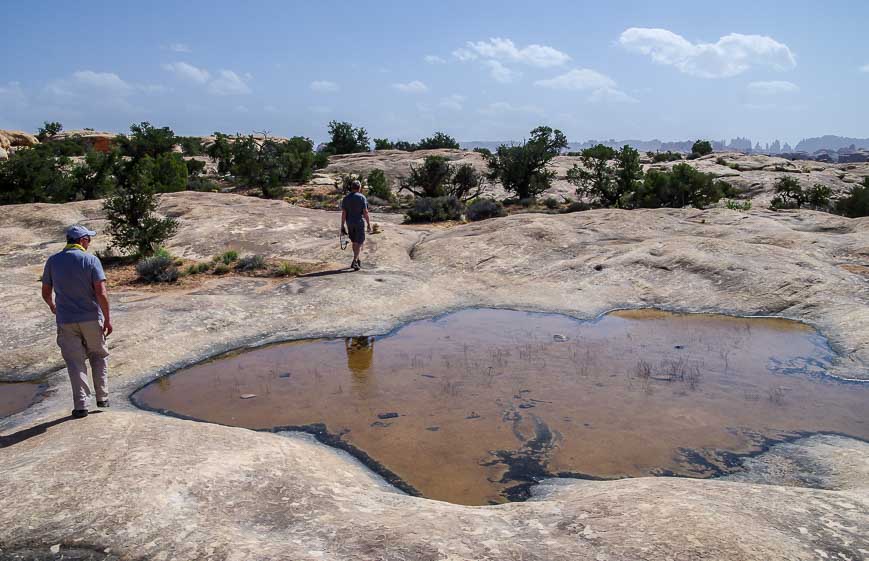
356, 232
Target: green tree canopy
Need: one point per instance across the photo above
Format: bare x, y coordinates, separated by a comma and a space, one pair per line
345, 139
522, 169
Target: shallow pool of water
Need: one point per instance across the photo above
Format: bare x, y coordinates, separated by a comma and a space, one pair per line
475, 406
17, 396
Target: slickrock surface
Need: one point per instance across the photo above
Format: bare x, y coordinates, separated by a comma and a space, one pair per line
147, 486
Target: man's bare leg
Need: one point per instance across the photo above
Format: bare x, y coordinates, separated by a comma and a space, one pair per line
357, 249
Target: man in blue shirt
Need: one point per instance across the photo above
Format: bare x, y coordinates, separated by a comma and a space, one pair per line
81, 307
354, 217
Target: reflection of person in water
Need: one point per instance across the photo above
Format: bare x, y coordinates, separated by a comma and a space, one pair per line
360, 353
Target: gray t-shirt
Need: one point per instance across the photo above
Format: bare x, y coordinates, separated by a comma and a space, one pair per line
355, 204
72, 273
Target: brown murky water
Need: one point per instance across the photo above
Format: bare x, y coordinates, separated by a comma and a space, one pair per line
475, 406
16, 396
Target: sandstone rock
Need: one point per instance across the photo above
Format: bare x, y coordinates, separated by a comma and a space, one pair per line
4, 155
97, 140
16, 138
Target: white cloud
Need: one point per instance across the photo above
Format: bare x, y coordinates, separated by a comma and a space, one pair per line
731, 55
411, 87
454, 102
501, 73
324, 86
103, 81
188, 72
501, 107
229, 83
501, 49
241, 109
864, 68
773, 87
602, 87
434, 59
179, 48
578, 79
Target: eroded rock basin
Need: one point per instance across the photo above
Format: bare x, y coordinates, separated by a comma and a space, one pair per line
475, 406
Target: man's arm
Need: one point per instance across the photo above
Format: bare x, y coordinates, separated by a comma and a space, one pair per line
48, 297
367, 218
103, 301
343, 220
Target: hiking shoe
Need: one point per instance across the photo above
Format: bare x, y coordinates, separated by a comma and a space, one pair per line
79, 413
358, 264
355, 265
103, 404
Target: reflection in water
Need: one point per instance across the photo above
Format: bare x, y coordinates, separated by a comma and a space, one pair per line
360, 354
16, 396
473, 407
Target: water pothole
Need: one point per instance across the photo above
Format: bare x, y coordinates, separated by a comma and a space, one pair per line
18, 396
476, 406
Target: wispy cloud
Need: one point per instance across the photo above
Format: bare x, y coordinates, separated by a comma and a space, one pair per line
773, 87
188, 72
501, 73
454, 102
434, 59
505, 50
324, 86
600, 86
411, 87
731, 55
178, 47
501, 107
229, 83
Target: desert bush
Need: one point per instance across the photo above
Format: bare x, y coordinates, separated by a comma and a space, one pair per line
221, 151
551, 203
169, 173
596, 177
227, 257
345, 139
378, 185
158, 268
130, 210
667, 156
575, 206
629, 171
287, 269
190, 145
484, 151
682, 186
48, 129
434, 209
146, 140
438, 178
202, 184
856, 204
268, 164
522, 169
437, 140
94, 178
383, 144
197, 268
220, 269
34, 175
790, 194
251, 263
738, 205
701, 148
345, 180
481, 209
194, 167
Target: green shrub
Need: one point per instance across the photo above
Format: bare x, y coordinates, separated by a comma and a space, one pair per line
680, 187
434, 209
481, 209
856, 204
438, 140
790, 194
701, 148
345, 139
667, 156
197, 268
251, 263
522, 169
551, 203
383, 144
130, 210
596, 177
287, 269
576, 206
221, 269
268, 164
34, 175
194, 167
94, 178
484, 151
158, 268
146, 140
221, 151
48, 129
227, 257
202, 184
190, 145
169, 173
378, 186
738, 205
438, 178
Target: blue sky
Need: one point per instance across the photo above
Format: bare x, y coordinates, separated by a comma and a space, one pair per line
477, 70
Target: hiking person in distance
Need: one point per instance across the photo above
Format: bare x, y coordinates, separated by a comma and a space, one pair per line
355, 220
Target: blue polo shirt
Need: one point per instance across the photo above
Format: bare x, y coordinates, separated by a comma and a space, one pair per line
72, 273
355, 204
